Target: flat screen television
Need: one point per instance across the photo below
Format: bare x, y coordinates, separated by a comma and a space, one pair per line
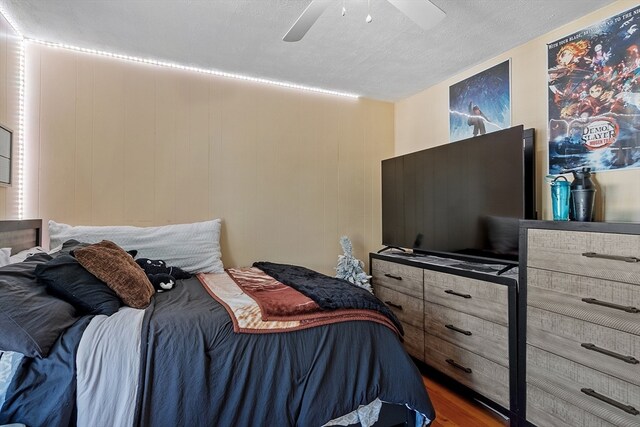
464, 197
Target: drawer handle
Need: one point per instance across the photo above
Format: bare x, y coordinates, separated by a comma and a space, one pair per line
626, 408
389, 303
391, 276
628, 359
451, 292
628, 309
458, 366
611, 257
462, 331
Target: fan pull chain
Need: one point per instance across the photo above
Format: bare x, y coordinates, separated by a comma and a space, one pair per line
369, 18
344, 9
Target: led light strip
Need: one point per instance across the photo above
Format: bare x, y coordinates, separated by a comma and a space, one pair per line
21, 112
20, 160
193, 69
20, 136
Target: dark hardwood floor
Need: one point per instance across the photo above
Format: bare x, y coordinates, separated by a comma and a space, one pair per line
453, 410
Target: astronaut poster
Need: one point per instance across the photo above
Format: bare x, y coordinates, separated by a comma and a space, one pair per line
481, 103
594, 96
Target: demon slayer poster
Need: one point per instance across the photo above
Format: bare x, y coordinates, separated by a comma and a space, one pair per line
481, 103
594, 96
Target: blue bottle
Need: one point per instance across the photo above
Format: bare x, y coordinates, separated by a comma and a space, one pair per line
560, 191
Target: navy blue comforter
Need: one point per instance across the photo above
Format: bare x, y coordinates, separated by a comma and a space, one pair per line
43, 390
196, 371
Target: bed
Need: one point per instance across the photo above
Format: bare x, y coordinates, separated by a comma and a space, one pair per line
185, 360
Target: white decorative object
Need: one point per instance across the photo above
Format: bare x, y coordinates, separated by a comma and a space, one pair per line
349, 268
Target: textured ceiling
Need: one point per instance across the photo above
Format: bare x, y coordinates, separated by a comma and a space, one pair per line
389, 59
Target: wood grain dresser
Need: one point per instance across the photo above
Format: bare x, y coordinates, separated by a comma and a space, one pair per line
459, 318
579, 301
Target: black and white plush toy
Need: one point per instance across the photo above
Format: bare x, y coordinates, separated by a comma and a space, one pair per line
162, 278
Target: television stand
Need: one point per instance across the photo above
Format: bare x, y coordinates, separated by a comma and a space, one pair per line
504, 270
459, 317
386, 248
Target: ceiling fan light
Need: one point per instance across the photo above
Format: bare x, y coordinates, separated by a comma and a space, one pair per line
422, 12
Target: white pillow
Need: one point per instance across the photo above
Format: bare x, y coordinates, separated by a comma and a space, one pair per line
5, 254
193, 247
22, 255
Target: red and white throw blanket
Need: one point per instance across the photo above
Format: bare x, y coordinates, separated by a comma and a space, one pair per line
259, 304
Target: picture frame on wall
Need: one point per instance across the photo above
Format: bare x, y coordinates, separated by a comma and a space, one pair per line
594, 96
6, 145
481, 103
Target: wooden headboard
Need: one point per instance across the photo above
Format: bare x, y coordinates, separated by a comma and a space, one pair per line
20, 234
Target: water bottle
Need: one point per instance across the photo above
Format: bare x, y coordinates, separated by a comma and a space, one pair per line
560, 198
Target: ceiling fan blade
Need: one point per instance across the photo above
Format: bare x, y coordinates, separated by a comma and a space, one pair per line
422, 12
306, 20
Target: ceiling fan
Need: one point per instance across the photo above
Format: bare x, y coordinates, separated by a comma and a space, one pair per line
422, 12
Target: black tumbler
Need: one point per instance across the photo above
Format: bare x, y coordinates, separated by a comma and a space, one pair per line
583, 201
582, 195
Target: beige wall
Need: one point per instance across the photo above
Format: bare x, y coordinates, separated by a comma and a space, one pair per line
422, 121
289, 172
9, 106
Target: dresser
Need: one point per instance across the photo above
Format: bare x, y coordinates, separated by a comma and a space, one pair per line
459, 318
580, 309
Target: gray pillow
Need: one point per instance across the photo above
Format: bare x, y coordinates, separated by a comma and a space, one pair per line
65, 278
31, 319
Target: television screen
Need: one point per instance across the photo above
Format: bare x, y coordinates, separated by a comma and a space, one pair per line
464, 197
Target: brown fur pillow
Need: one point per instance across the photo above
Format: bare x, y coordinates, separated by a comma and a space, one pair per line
111, 264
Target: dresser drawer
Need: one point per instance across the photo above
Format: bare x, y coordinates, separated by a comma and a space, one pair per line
607, 350
575, 306
612, 256
408, 309
568, 380
480, 336
485, 300
624, 295
546, 409
482, 375
403, 278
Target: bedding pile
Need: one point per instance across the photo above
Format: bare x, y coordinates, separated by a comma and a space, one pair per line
182, 361
329, 293
258, 303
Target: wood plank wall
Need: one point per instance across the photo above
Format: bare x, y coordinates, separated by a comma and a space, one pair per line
289, 172
9, 105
